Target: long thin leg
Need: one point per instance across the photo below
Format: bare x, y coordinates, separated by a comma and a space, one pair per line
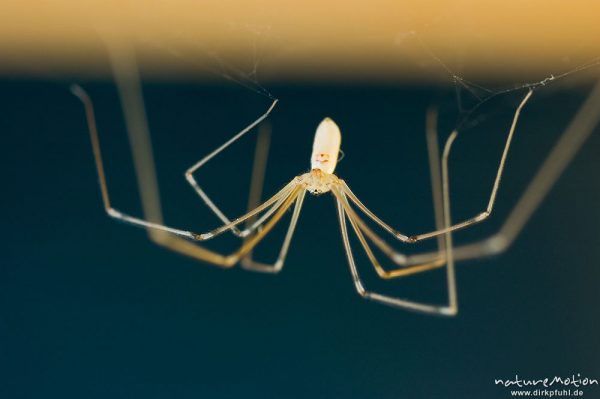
431, 135
250, 264
480, 217
270, 205
259, 166
581, 127
445, 310
188, 248
189, 174
432, 261
125, 70
448, 310
362, 229
256, 187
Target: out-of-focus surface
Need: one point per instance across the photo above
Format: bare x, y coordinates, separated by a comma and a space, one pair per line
375, 40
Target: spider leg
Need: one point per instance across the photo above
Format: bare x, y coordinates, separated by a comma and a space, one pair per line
254, 197
248, 263
476, 219
445, 310
190, 249
271, 205
262, 148
581, 127
125, 70
361, 229
444, 256
431, 136
433, 260
259, 168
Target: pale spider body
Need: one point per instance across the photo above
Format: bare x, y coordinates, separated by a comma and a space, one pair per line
261, 218
326, 148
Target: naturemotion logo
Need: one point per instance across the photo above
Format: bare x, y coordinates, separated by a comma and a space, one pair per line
560, 386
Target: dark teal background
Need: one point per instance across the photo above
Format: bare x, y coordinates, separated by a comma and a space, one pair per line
89, 308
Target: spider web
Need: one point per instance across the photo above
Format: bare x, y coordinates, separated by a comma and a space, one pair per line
262, 45
467, 101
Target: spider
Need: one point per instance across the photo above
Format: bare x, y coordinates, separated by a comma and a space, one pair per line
261, 219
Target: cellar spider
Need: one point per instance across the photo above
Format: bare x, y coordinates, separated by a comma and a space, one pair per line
261, 219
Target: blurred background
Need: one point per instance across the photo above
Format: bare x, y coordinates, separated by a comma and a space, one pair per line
90, 308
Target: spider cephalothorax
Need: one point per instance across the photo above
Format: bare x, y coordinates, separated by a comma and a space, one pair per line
317, 182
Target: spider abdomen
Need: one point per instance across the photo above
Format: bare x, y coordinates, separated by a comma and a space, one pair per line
326, 146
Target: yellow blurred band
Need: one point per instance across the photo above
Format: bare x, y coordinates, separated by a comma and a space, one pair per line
311, 39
